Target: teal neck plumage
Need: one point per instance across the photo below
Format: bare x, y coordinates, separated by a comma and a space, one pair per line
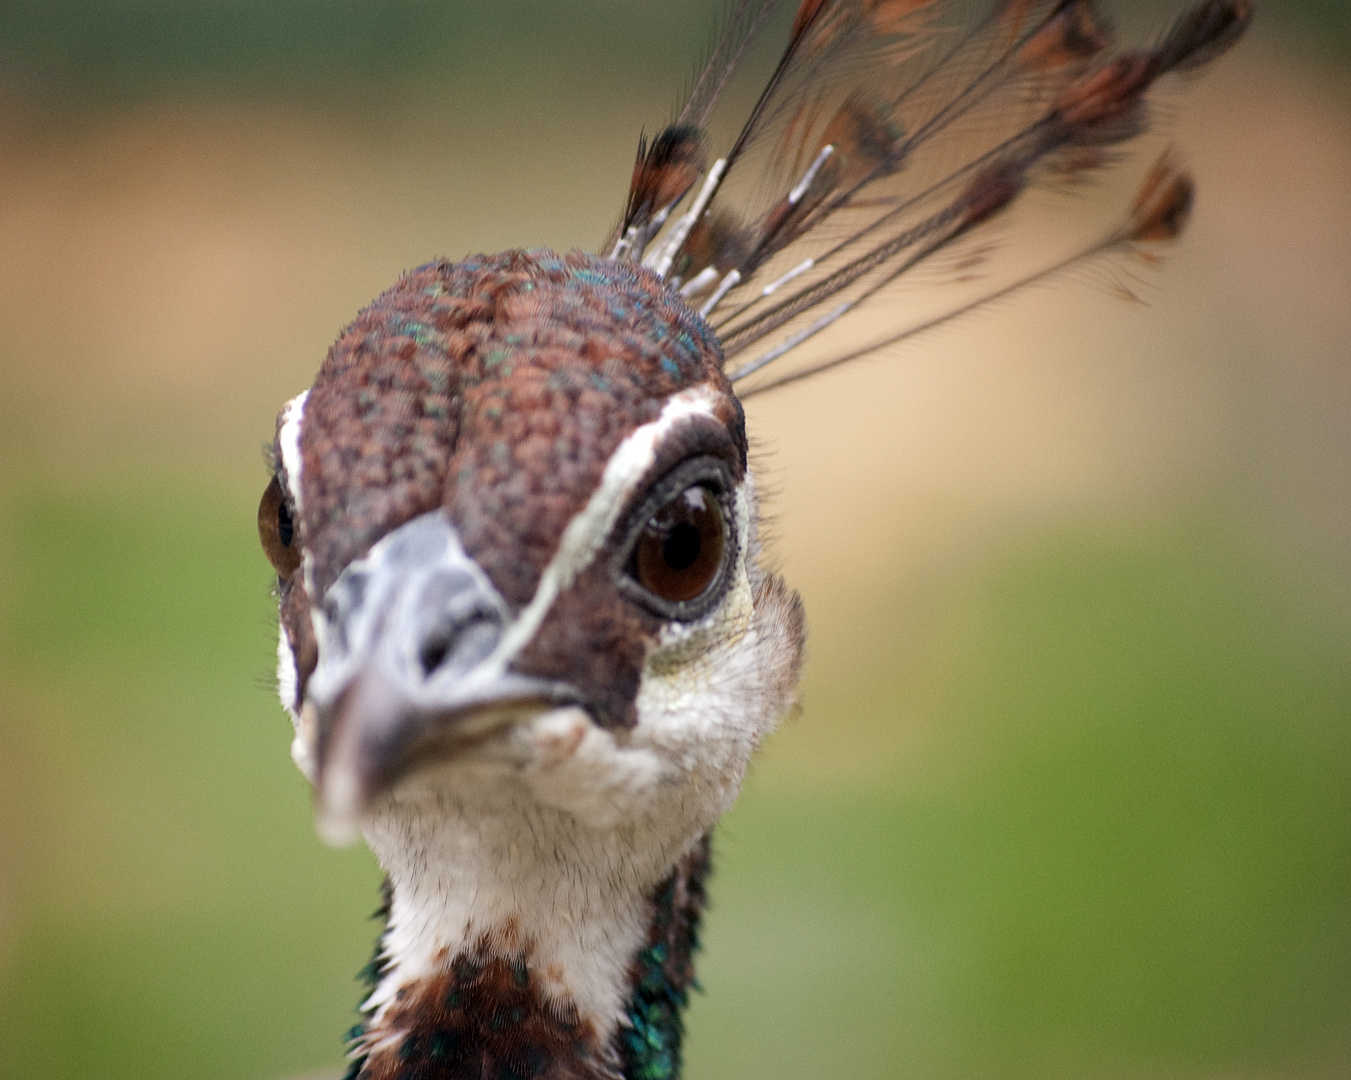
650, 1047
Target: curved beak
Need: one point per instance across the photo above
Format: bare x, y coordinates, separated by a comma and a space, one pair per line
410, 671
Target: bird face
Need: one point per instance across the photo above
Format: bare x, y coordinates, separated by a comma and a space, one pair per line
515, 533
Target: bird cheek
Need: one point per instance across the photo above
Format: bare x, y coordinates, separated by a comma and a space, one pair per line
302, 648
687, 656
581, 768
304, 747
556, 736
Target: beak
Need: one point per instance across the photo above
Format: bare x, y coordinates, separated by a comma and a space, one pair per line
411, 671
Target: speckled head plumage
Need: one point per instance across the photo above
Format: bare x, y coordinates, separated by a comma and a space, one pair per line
495, 390
467, 381
527, 640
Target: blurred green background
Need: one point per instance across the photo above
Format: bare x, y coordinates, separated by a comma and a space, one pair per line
1070, 796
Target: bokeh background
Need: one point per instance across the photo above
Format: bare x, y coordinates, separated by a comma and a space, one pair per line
1070, 794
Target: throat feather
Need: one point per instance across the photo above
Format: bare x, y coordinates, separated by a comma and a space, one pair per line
486, 1013
484, 1017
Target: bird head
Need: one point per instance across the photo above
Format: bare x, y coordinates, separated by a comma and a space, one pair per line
515, 531
527, 642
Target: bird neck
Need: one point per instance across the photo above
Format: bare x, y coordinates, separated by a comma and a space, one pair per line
570, 960
649, 1042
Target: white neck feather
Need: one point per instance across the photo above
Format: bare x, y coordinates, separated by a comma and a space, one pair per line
485, 864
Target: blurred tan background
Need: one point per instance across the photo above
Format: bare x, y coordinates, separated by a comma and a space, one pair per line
1070, 796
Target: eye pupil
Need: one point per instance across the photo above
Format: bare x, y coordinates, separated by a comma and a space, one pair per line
680, 550
285, 526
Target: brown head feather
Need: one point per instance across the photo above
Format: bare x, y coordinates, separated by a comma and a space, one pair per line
1105, 105
1203, 33
1072, 36
992, 190
809, 14
718, 240
664, 171
865, 135
893, 16
1163, 205
1013, 16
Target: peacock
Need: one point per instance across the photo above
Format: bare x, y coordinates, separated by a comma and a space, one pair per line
528, 639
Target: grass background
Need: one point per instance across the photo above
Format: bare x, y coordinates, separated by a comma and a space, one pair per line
1070, 796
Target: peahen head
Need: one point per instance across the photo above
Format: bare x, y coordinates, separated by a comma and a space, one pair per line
527, 639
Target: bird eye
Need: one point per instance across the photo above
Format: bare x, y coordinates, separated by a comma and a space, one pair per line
277, 530
680, 549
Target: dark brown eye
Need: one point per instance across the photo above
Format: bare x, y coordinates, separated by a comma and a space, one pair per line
679, 551
277, 530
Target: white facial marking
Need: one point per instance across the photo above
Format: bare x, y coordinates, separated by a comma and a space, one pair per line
588, 529
292, 417
302, 752
286, 674
292, 465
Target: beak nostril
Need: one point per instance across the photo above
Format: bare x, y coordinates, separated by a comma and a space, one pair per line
461, 645
433, 653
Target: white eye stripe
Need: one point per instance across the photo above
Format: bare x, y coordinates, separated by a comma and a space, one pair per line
589, 528
288, 439
292, 465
